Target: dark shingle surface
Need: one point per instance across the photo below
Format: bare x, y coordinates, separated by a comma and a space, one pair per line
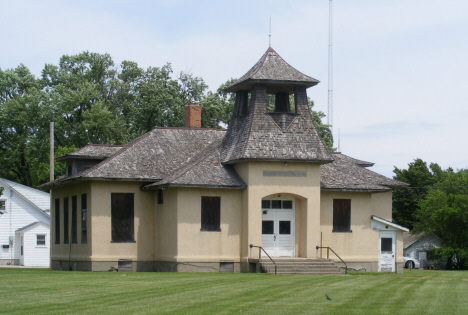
271, 67
257, 136
345, 174
155, 154
204, 169
150, 157
92, 151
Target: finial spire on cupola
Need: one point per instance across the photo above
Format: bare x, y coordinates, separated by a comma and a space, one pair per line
281, 135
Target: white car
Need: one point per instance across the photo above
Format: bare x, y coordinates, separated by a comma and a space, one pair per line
411, 262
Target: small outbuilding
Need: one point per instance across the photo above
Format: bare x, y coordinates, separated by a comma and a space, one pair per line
34, 244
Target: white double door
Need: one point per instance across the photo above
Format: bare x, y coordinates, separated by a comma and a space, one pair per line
278, 232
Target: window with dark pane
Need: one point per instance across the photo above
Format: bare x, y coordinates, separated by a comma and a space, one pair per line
65, 220
57, 221
386, 244
40, 239
268, 227
74, 220
160, 197
287, 204
276, 204
266, 204
122, 217
211, 214
284, 227
84, 219
341, 215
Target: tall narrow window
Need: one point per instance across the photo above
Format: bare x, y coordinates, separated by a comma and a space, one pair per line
160, 197
65, 220
122, 217
342, 215
57, 221
74, 220
211, 214
84, 219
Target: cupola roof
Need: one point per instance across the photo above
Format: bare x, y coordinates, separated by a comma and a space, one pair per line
273, 71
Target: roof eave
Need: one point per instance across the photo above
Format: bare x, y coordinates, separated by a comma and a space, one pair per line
168, 185
318, 161
247, 84
356, 190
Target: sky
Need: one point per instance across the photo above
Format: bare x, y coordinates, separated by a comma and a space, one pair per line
400, 87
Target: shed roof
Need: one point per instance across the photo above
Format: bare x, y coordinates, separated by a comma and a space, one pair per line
272, 69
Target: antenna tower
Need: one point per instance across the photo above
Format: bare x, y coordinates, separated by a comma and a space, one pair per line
330, 67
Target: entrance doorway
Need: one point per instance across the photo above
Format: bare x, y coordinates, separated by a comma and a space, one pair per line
278, 237
387, 251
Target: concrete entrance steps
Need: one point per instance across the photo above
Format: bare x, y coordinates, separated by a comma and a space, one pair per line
300, 266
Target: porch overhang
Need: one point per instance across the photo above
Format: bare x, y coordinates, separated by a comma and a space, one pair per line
385, 225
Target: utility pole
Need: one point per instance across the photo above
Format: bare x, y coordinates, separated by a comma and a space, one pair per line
51, 160
330, 66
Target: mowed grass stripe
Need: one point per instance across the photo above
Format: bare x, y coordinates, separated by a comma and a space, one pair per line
43, 291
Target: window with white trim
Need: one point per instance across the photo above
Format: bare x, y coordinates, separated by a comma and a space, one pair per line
40, 239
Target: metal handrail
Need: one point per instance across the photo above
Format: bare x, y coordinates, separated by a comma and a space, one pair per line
328, 255
260, 248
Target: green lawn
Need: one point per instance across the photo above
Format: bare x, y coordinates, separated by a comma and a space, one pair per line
41, 291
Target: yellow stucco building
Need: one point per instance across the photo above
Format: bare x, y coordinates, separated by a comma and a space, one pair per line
194, 199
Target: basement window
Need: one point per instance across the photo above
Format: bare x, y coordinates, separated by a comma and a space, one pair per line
342, 215
211, 214
122, 217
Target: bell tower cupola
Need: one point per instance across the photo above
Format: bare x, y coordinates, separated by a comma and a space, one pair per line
285, 133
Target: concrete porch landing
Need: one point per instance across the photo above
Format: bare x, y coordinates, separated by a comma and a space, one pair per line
299, 266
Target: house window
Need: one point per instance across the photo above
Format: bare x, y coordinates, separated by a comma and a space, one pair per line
342, 215
40, 239
122, 217
84, 220
69, 170
211, 214
57, 221
65, 220
74, 220
160, 197
2, 206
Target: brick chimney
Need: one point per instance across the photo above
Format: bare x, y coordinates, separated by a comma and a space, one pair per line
193, 116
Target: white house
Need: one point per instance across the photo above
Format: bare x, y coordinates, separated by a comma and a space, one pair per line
24, 225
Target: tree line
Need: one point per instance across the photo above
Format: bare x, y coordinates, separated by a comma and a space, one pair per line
436, 202
91, 100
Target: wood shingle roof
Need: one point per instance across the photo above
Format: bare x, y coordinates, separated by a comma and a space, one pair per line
271, 68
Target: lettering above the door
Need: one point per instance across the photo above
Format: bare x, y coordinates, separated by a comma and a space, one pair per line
285, 173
